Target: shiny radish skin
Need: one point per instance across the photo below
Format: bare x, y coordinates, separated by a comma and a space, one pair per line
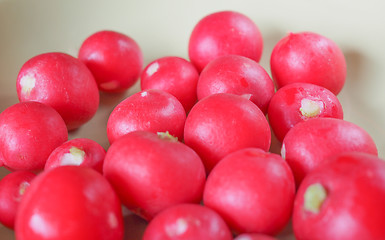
12, 189
308, 144
69, 202
308, 57
187, 222
148, 110
79, 152
252, 190
298, 102
62, 82
114, 59
238, 75
29, 132
174, 75
151, 172
222, 33
342, 199
223, 123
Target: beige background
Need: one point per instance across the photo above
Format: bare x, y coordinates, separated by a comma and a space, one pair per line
162, 28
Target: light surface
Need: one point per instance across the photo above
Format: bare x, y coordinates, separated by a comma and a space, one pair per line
162, 28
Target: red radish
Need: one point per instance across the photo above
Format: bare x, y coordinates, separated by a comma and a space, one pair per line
238, 75
298, 102
223, 33
223, 123
342, 199
254, 236
114, 59
308, 57
69, 202
150, 110
174, 75
62, 82
187, 222
12, 189
29, 132
152, 172
78, 152
252, 190
309, 143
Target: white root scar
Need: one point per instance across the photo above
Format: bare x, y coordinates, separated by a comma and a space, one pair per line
74, 157
27, 84
153, 68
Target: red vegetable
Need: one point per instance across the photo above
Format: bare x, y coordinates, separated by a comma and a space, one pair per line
187, 222
309, 143
150, 110
174, 75
238, 75
308, 57
223, 123
62, 82
254, 236
252, 190
12, 189
69, 202
223, 33
299, 102
151, 172
342, 199
79, 152
29, 132
114, 59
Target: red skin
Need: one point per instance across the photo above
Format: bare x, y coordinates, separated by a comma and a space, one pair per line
29, 132
223, 33
150, 110
254, 236
174, 75
187, 222
223, 123
309, 143
69, 202
150, 173
308, 57
252, 190
68, 154
238, 75
285, 109
354, 206
62, 82
114, 59
12, 189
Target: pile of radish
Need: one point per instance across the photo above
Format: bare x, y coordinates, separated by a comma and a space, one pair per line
189, 153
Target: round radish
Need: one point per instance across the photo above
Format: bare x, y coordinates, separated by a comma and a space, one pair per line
238, 75
254, 236
69, 202
223, 33
62, 82
308, 57
12, 189
342, 199
309, 143
174, 75
114, 59
29, 132
298, 102
151, 172
252, 190
223, 123
150, 110
187, 222
78, 152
